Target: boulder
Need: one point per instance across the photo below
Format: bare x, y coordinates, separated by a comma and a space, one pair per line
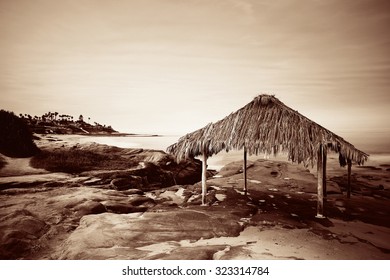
19, 231
128, 236
145, 170
233, 168
156, 157
142, 200
130, 182
333, 188
187, 172
90, 207
123, 208
132, 192
154, 174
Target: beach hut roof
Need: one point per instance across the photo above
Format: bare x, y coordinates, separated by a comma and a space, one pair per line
266, 125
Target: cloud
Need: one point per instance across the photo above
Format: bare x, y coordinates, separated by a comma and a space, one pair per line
169, 57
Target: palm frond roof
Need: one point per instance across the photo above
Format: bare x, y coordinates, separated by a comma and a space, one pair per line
266, 125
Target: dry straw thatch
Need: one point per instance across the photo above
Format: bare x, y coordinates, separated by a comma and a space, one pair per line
266, 125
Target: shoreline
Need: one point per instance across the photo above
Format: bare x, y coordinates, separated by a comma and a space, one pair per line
119, 134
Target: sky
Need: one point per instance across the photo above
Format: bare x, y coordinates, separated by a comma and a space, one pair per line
173, 66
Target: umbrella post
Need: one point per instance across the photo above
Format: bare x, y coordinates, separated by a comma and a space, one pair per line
245, 177
349, 179
324, 158
320, 187
204, 178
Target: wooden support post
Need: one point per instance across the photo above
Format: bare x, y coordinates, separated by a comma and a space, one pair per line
320, 190
324, 156
204, 178
245, 178
349, 179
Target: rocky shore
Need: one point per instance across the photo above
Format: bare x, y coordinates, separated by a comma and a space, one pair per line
149, 208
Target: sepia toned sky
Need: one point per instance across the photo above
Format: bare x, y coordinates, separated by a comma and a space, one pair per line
172, 66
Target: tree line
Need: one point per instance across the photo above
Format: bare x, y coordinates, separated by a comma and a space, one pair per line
16, 139
57, 120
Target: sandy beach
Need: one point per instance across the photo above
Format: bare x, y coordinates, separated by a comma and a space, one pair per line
56, 215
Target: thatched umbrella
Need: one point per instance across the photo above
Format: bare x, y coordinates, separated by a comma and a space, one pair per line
266, 125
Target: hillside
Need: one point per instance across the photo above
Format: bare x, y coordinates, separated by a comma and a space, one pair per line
64, 124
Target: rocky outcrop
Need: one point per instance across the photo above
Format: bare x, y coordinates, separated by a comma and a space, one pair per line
134, 204
36, 217
128, 182
88, 217
120, 168
130, 234
159, 166
89, 207
20, 230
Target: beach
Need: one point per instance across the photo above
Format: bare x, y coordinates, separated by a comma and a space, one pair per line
89, 215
